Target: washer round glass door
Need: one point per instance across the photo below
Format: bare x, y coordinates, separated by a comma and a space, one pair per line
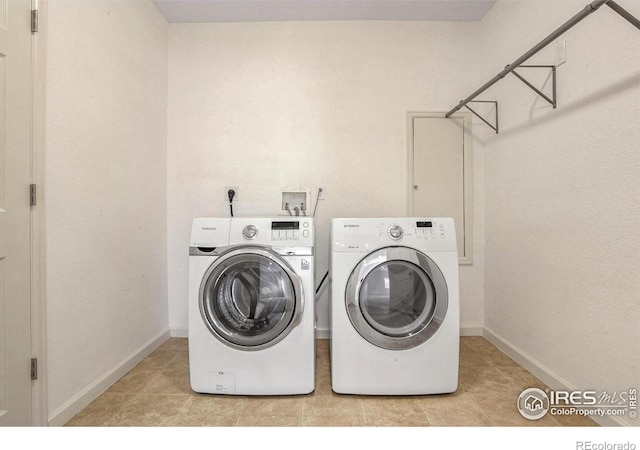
250, 298
396, 298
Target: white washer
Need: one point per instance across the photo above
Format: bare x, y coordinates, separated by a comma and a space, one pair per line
394, 306
251, 306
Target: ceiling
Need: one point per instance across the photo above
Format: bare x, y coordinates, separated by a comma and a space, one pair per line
191, 11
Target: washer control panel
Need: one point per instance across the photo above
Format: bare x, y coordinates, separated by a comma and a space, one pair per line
295, 231
290, 230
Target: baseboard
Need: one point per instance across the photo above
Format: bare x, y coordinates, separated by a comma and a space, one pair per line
546, 375
179, 332
471, 331
63, 414
323, 333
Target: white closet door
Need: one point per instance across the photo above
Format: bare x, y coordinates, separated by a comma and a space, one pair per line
15, 175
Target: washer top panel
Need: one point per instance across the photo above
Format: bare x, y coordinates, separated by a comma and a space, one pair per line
273, 232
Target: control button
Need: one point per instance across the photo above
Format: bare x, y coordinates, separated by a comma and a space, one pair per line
305, 233
250, 232
395, 232
305, 224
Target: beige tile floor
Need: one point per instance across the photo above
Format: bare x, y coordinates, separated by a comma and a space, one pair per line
157, 393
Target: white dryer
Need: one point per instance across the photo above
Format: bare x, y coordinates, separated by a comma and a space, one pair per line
394, 306
251, 306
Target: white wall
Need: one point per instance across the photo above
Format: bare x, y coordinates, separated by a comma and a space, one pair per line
269, 105
562, 188
263, 106
105, 189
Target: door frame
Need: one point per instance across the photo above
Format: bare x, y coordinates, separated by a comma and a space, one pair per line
38, 256
467, 226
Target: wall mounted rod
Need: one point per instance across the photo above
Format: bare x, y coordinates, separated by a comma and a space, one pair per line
624, 13
590, 8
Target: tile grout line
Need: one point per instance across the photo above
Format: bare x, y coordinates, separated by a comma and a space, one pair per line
490, 363
424, 413
364, 416
482, 409
301, 417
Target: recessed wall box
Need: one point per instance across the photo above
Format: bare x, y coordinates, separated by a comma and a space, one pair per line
294, 201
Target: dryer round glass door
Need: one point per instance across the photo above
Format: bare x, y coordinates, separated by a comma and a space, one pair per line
396, 298
250, 298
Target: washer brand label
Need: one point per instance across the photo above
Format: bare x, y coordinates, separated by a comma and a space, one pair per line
351, 226
222, 382
209, 228
305, 264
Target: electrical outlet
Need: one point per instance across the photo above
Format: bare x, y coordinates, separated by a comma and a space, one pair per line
226, 193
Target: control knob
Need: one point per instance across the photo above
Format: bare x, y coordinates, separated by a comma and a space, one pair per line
250, 231
395, 232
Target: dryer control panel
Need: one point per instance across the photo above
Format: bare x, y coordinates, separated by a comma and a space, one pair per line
427, 229
365, 234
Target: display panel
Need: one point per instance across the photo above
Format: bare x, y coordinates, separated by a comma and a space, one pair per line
285, 225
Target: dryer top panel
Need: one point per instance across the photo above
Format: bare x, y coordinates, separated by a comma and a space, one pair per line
427, 234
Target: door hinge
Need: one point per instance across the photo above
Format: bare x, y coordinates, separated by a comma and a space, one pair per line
32, 195
34, 369
34, 20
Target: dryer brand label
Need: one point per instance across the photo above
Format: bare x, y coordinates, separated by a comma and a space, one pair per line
351, 225
305, 264
209, 228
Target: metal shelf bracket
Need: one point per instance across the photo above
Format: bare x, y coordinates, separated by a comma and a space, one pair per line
589, 9
493, 127
551, 100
